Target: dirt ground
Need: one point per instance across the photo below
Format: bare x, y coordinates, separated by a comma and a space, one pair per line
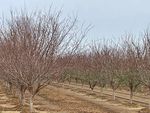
77, 102
51, 100
64, 102
58, 100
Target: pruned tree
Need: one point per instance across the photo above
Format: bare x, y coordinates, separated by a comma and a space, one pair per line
145, 61
98, 65
32, 49
145, 76
111, 63
132, 61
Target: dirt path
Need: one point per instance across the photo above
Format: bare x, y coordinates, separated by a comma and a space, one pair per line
54, 99
103, 103
8, 103
64, 101
139, 98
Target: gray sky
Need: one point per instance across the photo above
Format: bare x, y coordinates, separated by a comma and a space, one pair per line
110, 18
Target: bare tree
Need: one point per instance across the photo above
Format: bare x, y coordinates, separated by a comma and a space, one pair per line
98, 65
132, 60
32, 47
145, 61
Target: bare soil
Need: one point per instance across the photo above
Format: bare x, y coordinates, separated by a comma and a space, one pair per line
62, 101
59, 100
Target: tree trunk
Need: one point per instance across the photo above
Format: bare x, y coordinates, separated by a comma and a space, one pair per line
69, 80
149, 90
82, 82
149, 104
76, 79
10, 87
22, 100
31, 104
114, 96
101, 91
131, 97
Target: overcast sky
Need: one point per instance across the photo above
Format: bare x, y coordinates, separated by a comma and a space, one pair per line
110, 18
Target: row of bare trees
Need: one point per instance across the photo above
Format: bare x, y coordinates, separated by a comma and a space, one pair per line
125, 65
38, 48
33, 48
